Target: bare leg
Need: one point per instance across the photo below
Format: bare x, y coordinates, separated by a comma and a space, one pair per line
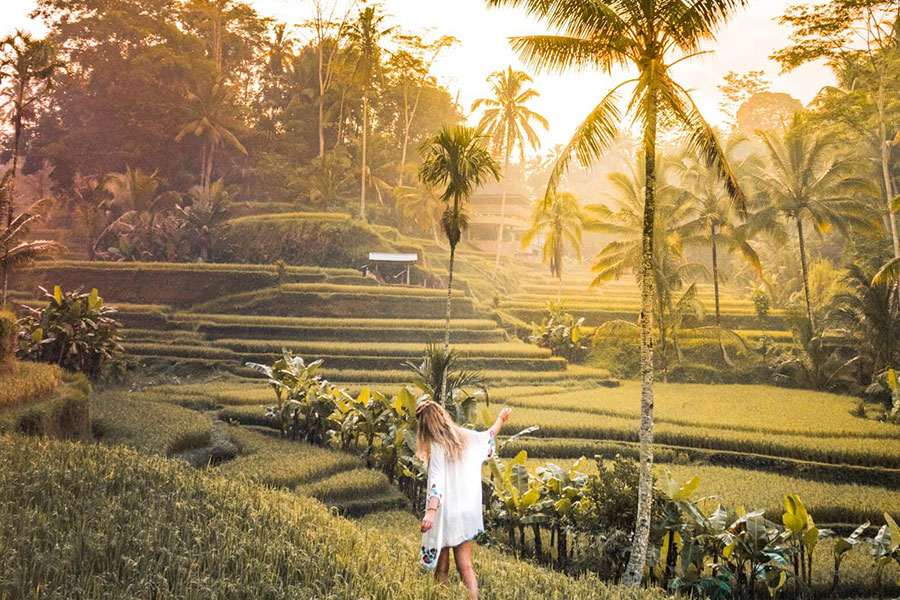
442, 569
462, 554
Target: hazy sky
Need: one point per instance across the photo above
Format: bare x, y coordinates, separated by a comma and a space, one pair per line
744, 45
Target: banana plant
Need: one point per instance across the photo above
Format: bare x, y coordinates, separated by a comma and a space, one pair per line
517, 494
560, 490
800, 537
752, 551
885, 549
680, 519
841, 547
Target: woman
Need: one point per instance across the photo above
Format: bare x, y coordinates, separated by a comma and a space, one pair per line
453, 505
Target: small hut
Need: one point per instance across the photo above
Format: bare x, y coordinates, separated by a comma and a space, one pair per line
391, 268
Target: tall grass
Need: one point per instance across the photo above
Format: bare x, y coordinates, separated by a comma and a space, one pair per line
30, 382
81, 521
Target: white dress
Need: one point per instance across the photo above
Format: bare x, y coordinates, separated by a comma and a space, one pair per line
457, 484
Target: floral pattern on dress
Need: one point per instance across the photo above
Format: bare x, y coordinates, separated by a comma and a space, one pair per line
429, 556
433, 493
491, 445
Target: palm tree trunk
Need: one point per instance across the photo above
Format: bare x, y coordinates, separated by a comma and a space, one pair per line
209, 164
715, 270
805, 267
17, 135
362, 171
321, 107
502, 211
559, 290
635, 571
447, 329
203, 165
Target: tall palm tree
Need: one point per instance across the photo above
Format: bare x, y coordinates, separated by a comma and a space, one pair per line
210, 117
507, 121
456, 160
808, 181
560, 223
714, 221
365, 36
28, 66
669, 272
15, 251
649, 37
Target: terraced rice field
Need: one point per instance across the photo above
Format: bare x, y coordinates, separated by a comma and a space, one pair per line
224, 316
621, 300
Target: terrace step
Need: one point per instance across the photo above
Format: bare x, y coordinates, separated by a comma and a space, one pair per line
371, 363
338, 332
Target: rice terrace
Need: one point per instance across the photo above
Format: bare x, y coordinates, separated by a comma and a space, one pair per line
321, 298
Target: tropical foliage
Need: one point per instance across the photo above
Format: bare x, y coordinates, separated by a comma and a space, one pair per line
75, 330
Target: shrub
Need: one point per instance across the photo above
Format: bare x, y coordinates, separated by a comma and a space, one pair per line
761, 303
561, 333
8, 333
301, 240
75, 330
62, 415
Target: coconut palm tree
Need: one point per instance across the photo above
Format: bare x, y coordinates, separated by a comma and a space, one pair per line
15, 251
209, 111
456, 160
649, 37
808, 181
27, 66
365, 36
135, 198
560, 223
714, 221
421, 204
670, 273
507, 121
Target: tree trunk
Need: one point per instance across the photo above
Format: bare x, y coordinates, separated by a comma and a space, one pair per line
502, 211
538, 543
321, 111
635, 571
17, 134
559, 290
715, 270
805, 267
447, 329
562, 556
362, 171
209, 164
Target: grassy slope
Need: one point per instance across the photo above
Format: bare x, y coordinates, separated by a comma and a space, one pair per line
84, 521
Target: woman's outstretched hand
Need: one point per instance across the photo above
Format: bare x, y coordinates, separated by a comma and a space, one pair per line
504, 414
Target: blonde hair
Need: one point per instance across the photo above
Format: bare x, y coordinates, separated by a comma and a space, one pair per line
436, 426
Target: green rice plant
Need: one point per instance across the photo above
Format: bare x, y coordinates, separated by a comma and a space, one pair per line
281, 463
30, 382
394, 333
84, 521
724, 407
62, 412
348, 485
501, 575
370, 290
335, 323
279, 303
865, 451
122, 417
249, 415
180, 351
505, 350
